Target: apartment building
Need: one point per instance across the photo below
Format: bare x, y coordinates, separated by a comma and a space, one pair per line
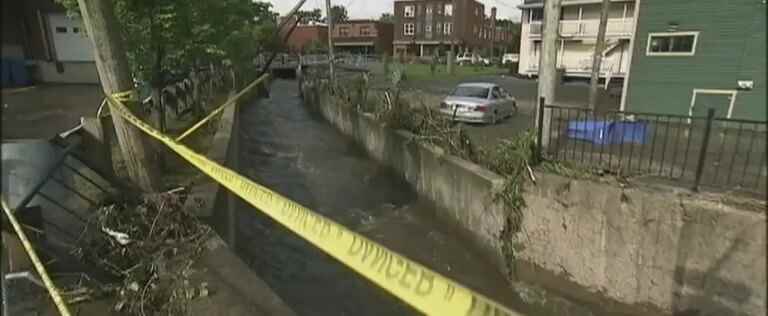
579, 23
363, 37
425, 27
689, 57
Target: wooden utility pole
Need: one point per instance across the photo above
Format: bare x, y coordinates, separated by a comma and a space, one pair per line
451, 53
331, 70
548, 80
115, 76
597, 56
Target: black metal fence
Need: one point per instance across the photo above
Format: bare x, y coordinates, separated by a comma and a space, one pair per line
727, 154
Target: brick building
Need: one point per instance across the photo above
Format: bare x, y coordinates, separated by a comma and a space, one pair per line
307, 36
363, 37
423, 26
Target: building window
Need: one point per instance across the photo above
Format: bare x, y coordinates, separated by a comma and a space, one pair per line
409, 11
536, 15
365, 31
672, 44
409, 29
61, 29
75, 30
438, 28
429, 10
448, 28
477, 11
449, 9
428, 28
343, 31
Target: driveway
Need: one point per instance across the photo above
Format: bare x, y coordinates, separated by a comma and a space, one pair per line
46, 110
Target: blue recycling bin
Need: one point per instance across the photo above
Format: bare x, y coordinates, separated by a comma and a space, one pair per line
14, 72
608, 132
6, 73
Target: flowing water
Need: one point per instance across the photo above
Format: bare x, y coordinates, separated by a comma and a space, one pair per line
297, 154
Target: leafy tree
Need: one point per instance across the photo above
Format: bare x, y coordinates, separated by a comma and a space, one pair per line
315, 15
387, 17
339, 14
169, 37
317, 47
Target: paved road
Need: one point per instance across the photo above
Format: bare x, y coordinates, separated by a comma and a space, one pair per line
573, 94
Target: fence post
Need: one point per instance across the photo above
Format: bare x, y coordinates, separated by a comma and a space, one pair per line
704, 147
540, 130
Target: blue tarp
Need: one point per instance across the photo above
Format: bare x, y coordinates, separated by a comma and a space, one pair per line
609, 132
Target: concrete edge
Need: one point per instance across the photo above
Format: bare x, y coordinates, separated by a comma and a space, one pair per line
464, 164
245, 291
206, 193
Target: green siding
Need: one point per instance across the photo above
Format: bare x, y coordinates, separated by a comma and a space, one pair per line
731, 47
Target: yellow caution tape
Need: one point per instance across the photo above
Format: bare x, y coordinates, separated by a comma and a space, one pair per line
221, 108
422, 288
52, 290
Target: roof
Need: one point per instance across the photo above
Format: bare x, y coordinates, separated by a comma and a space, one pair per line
357, 21
530, 4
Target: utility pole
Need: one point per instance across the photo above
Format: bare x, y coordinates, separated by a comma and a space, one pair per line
597, 56
548, 80
331, 70
115, 76
450, 55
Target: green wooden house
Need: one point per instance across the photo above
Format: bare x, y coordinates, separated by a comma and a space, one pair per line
691, 55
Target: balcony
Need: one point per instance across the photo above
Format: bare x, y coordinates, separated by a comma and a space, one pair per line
621, 28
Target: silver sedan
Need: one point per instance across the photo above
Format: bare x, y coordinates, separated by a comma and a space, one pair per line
478, 103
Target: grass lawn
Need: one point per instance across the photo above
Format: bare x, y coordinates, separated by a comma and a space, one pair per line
420, 72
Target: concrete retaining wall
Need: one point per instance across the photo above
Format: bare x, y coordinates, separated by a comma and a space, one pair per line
242, 292
656, 250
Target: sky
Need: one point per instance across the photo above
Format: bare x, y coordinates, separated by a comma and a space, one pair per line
367, 9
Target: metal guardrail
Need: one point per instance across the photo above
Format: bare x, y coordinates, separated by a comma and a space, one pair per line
694, 151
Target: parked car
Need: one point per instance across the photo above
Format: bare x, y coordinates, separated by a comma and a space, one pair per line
471, 59
478, 103
510, 58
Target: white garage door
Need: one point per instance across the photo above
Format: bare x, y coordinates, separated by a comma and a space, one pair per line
69, 38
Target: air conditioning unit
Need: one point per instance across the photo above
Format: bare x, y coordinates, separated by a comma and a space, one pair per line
746, 84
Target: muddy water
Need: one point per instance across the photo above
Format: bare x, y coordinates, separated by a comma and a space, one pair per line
296, 153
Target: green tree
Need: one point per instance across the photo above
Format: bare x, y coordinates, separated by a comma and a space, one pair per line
339, 14
387, 17
514, 28
167, 37
315, 15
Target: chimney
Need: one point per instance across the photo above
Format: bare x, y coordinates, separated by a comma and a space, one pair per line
493, 14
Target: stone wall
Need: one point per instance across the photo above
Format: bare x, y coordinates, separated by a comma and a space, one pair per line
658, 250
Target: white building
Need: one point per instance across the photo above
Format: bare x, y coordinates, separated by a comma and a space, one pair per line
579, 23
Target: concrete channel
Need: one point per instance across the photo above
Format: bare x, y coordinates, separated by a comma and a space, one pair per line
629, 249
285, 146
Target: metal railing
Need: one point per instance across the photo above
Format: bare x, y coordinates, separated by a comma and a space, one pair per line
693, 151
569, 28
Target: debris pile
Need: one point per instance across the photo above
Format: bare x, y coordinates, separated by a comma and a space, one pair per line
150, 247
